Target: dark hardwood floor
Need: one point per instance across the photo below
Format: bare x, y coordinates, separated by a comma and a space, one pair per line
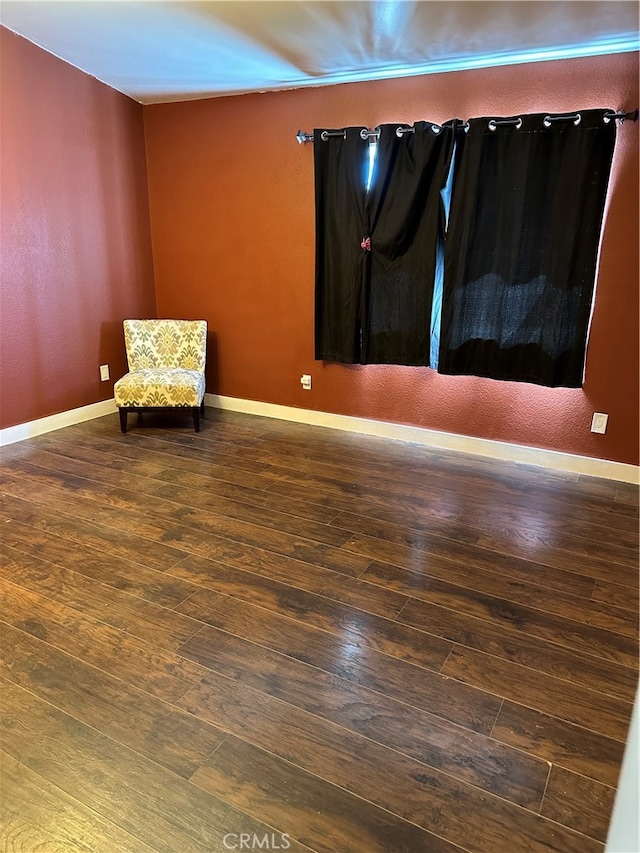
269, 636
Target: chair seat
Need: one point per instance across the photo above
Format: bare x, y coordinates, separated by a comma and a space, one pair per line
166, 386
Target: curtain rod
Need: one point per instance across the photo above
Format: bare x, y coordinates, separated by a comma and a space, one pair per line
303, 137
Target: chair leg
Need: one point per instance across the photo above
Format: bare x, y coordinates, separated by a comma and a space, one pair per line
123, 418
202, 407
196, 418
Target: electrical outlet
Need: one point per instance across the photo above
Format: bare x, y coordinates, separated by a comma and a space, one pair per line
599, 422
104, 372
305, 381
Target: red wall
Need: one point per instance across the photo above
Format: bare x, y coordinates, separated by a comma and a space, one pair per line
231, 200
76, 249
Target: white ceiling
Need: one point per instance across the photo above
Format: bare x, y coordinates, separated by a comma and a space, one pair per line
159, 50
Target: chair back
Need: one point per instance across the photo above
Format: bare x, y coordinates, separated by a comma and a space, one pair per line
166, 343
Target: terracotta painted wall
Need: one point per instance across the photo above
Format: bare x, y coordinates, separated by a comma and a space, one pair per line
231, 200
76, 249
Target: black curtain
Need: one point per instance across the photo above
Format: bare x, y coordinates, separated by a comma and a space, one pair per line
376, 250
522, 244
405, 222
340, 189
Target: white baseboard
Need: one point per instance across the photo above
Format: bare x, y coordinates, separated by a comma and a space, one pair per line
432, 438
384, 429
73, 416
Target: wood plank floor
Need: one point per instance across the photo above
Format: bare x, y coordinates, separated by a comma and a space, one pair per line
273, 636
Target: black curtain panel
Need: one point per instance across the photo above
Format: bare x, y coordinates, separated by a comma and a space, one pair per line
376, 247
522, 246
340, 188
404, 223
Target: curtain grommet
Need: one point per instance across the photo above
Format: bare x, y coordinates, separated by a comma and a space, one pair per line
547, 120
493, 123
324, 136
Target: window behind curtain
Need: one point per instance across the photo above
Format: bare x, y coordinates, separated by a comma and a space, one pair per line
405, 223
376, 244
522, 245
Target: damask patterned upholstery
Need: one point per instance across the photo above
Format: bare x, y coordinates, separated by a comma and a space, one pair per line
166, 366
166, 343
